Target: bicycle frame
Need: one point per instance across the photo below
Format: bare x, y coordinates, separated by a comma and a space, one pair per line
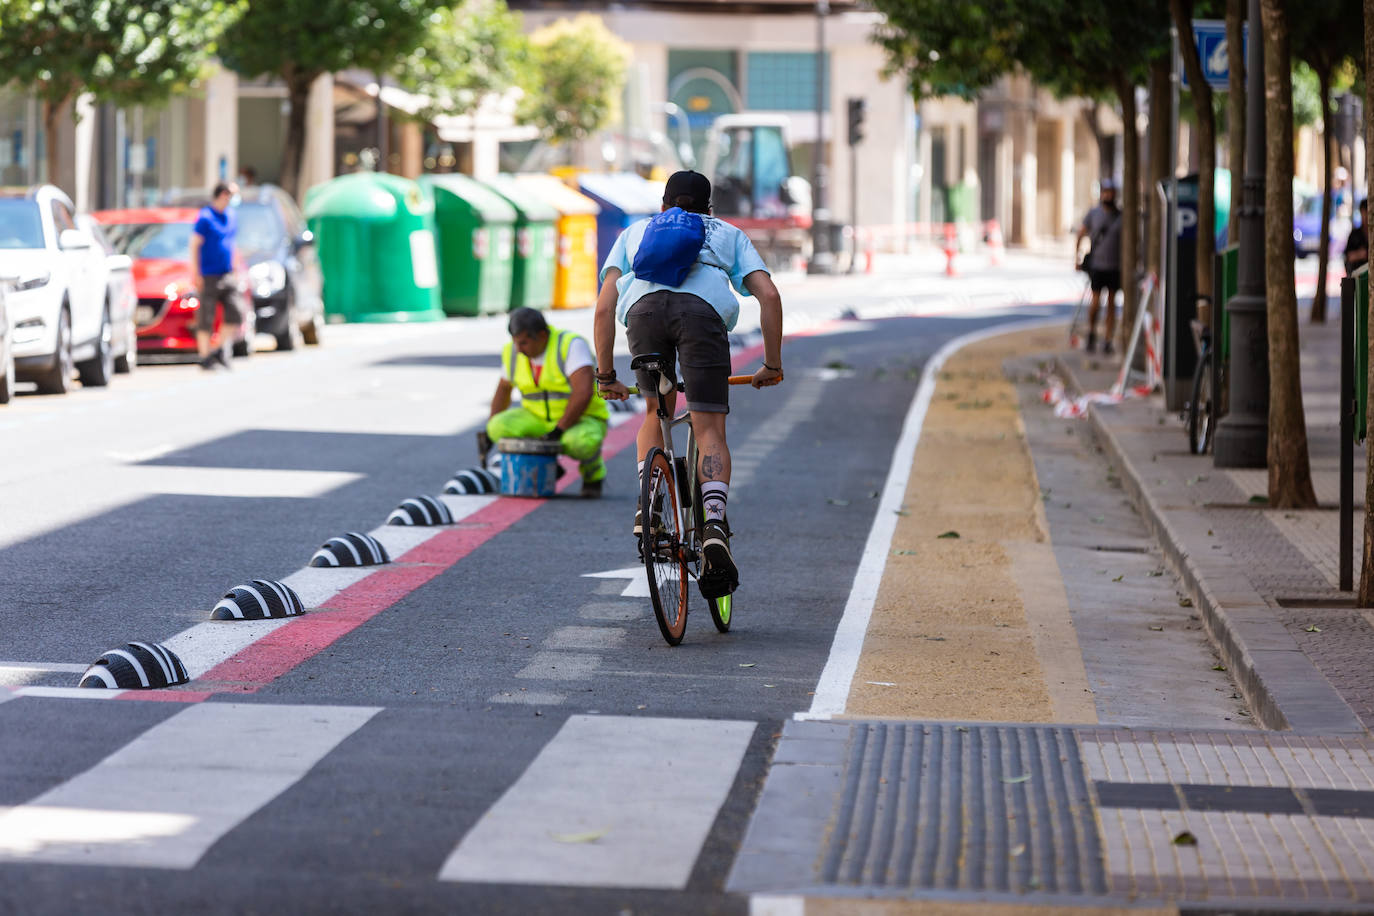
687, 516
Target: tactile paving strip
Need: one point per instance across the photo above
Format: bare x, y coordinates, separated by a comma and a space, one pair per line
965, 808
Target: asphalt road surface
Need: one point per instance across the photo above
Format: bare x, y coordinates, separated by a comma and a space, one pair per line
487, 727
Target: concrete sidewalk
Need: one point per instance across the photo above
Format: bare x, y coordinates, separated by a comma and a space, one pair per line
1265, 580
1223, 774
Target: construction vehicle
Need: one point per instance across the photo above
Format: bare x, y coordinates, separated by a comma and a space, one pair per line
748, 158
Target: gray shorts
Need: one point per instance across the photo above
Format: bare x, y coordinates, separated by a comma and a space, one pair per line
685, 329
219, 289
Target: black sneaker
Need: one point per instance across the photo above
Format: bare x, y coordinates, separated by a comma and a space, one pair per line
591, 489
209, 364
1107, 348
719, 576
1092, 342
220, 357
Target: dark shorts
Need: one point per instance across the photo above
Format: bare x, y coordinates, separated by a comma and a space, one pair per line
219, 289
685, 329
1104, 279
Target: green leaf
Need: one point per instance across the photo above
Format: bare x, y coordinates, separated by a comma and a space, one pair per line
1012, 780
1259, 500
948, 534
1119, 578
1312, 628
1185, 838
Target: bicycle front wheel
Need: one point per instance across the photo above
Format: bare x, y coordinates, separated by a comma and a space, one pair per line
661, 544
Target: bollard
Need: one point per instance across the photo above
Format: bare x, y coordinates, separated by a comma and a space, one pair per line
993, 237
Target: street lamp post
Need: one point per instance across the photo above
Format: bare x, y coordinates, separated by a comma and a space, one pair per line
1243, 434
822, 259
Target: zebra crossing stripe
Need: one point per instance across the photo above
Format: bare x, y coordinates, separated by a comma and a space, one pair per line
611, 801
165, 798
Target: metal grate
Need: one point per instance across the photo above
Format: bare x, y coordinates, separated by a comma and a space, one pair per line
959, 808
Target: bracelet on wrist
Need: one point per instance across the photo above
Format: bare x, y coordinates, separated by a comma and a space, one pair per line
605, 377
772, 368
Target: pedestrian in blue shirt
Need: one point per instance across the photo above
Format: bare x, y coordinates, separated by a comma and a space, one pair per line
215, 267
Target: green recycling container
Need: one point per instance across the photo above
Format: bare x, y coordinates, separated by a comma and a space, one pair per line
476, 244
536, 245
375, 237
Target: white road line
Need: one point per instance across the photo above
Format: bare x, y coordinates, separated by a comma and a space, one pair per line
528, 698
42, 666
832, 690
68, 693
251, 483
205, 645
560, 666
611, 801
163, 799
638, 586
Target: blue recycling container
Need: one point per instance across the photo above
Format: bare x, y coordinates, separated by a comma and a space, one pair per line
625, 198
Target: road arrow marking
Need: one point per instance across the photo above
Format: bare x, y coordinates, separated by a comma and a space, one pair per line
639, 582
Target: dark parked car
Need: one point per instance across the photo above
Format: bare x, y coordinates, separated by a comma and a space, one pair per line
284, 276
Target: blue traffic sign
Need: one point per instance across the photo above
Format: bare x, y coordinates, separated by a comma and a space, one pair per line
1210, 37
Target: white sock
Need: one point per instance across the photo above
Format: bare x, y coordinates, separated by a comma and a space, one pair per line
714, 494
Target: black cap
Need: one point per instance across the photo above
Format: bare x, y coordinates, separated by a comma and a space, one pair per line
525, 320
688, 190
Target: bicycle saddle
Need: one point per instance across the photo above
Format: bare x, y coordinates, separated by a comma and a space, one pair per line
650, 362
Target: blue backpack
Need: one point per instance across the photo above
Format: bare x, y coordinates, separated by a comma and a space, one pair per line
670, 246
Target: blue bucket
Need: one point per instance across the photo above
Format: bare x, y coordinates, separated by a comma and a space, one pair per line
529, 467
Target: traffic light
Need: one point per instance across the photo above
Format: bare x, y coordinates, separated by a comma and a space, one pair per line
857, 108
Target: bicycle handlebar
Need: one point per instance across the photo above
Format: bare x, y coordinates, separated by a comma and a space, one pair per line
734, 380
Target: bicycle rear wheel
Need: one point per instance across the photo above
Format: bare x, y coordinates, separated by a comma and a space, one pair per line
1201, 412
721, 609
661, 546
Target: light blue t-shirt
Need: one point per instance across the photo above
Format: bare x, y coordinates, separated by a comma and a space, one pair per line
726, 258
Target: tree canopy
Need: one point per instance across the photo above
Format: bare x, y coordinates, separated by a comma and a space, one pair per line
578, 70
469, 51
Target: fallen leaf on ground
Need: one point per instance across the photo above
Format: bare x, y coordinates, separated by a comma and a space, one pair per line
1011, 780
1312, 628
1157, 629
903, 553
948, 534
1017, 850
747, 664
881, 683
590, 836
1119, 578
1185, 602
1186, 838
902, 512
1218, 667
1259, 500
836, 502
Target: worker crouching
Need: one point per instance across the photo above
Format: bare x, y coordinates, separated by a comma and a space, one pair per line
552, 370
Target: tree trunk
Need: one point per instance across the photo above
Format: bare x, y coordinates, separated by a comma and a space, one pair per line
1235, 126
1318, 315
1092, 116
1290, 476
52, 150
1182, 11
298, 101
1366, 596
1159, 140
1130, 205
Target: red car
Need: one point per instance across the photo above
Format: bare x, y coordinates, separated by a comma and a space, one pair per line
159, 240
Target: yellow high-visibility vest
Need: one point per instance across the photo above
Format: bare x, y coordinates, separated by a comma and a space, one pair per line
548, 397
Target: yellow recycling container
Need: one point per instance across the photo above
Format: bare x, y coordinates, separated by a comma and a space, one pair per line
575, 276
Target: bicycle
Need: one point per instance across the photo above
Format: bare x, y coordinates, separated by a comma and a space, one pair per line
670, 541
1202, 411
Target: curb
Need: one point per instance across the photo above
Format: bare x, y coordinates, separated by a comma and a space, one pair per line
1281, 686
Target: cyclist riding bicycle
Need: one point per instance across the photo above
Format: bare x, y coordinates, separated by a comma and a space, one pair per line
688, 321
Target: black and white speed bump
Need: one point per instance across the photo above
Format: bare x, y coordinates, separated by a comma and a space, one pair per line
136, 666
421, 510
260, 599
351, 549
473, 482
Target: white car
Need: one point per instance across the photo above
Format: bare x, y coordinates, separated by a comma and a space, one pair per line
119, 335
6, 354
58, 288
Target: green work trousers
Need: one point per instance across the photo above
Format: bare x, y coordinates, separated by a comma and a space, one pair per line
582, 441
